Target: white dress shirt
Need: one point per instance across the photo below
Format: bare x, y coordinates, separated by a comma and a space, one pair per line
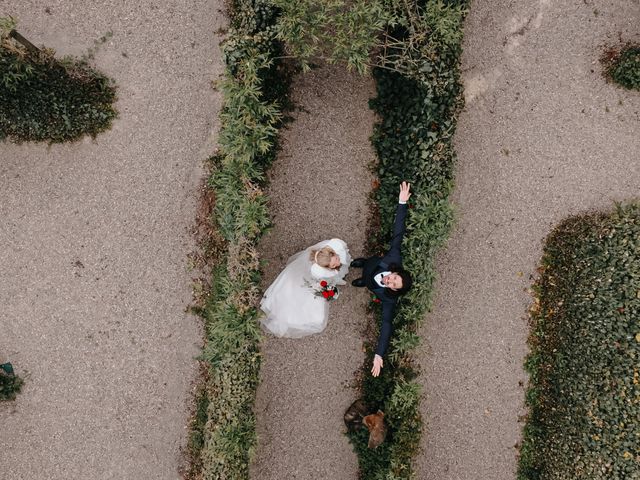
378, 278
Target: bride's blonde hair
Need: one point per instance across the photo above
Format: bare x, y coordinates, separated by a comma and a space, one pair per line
322, 257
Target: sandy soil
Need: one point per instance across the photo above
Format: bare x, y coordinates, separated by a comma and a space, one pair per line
543, 136
319, 189
93, 266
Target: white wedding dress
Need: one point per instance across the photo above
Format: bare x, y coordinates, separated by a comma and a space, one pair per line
291, 308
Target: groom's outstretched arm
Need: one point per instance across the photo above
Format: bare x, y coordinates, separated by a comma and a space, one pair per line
386, 328
401, 215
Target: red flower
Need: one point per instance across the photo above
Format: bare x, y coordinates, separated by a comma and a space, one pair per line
376, 300
323, 284
331, 293
325, 294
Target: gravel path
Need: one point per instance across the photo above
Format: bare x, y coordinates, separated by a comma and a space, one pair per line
95, 237
319, 189
542, 137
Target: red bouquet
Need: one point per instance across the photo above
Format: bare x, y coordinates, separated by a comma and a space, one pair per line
324, 290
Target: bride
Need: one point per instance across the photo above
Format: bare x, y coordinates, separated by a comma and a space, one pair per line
291, 305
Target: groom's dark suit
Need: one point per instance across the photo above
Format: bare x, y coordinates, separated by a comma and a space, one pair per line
375, 265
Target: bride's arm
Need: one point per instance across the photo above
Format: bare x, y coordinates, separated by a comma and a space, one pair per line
321, 273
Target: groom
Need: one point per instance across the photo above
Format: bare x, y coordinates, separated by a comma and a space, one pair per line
385, 277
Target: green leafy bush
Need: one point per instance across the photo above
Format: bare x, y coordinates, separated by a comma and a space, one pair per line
10, 384
390, 34
335, 30
623, 67
223, 435
413, 142
584, 365
46, 99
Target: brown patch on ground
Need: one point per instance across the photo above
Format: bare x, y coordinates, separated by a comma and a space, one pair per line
610, 55
210, 246
204, 225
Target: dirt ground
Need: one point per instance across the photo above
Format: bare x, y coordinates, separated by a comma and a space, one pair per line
319, 187
94, 279
93, 274
542, 137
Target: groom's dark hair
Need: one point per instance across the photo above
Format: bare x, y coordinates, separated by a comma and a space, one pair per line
407, 281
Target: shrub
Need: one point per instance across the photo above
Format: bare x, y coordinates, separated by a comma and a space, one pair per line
413, 142
623, 66
223, 429
390, 34
584, 389
10, 384
46, 99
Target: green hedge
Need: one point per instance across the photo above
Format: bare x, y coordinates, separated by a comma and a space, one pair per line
584, 365
413, 142
223, 435
623, 67
46, 99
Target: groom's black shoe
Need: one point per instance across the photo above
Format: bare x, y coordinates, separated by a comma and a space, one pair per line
358, 263
358, 282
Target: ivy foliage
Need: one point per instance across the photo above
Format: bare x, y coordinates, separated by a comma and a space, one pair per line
47, 99
623, 67
413, 141
584, 365
223, 436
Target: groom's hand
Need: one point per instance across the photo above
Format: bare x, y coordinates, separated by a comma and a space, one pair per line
404, 192
377, 365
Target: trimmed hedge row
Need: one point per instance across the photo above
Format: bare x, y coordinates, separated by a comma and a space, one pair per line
223, 434
413, 142
584, 365
46, 99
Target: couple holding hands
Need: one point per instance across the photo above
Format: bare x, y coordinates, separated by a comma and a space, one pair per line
296, 303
